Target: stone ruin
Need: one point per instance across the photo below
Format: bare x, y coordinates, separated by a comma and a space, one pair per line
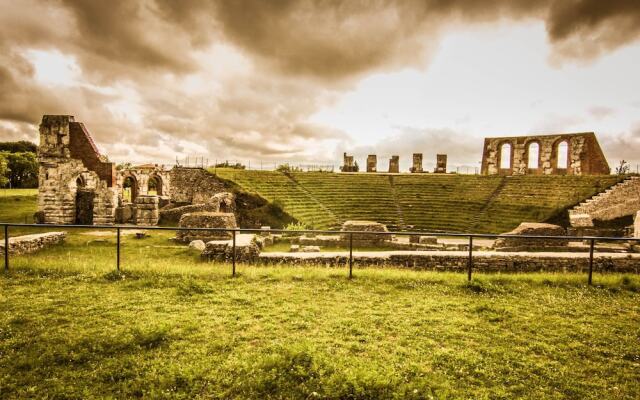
31, 243
364, 238
372, 163
204, 219
441, 164
348, 164
562, 154
78, 185
533, 229
394, 164
417, 163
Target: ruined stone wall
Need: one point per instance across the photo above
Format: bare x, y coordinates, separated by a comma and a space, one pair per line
348, 165
31, 243
141, 176
193, 185
417, 163
618, 201
67, 159
372, 163
450, 261
441, 164
394, 164
584, 156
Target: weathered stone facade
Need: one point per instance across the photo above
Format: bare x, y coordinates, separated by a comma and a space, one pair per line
441, 164
618, 201
372, 163
31, 243
636, 225
417, 163
77, 185
394, 164
348, 165
562, 154
69, 160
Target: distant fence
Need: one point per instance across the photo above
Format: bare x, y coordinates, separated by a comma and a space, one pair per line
234, 231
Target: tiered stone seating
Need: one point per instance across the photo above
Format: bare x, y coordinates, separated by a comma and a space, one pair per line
423, 202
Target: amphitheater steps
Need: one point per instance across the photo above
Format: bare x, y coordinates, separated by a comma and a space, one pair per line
628, 189
324, 208
396, 199
473, 224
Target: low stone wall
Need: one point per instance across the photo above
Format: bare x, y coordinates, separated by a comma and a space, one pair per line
215, 220
247, 249
456, 261
31, 243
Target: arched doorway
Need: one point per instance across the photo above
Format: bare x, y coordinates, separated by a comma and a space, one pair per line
504, 154
562, 152
533, 155
84, 202
129, 189
154, 186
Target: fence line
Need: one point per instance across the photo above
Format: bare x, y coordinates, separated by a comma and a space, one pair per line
234, 231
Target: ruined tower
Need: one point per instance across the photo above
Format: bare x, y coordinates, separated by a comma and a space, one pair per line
417, 163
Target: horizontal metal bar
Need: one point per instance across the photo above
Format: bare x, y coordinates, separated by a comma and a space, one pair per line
331, 232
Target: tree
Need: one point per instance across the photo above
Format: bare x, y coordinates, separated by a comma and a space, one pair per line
623, 168
4, 170
22, 146
23, 169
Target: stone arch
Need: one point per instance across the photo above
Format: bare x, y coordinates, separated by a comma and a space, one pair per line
533, 154
505, 156
130, 188
155, 185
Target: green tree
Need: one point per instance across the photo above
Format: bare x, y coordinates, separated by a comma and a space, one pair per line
4, 170
22, 146
23, 169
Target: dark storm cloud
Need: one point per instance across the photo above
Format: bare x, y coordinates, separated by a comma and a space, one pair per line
302, 54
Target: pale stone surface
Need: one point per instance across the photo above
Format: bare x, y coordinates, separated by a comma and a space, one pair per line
206, 220
636, 225
310, 249
147, 211
618, 201
173, 215
428, 240
533, 229
294, 248
247, 249
364, 227
197, 245
31, 243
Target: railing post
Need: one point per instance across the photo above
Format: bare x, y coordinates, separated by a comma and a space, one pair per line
470, 260
118, 249
6, 247
233, 255
591, 246
351, 255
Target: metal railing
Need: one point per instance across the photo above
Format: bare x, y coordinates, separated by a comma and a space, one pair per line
234, 231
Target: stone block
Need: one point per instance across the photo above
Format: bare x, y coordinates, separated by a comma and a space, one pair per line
366, 232
310, 249
197, 245
528, 244
214, 220
428, 240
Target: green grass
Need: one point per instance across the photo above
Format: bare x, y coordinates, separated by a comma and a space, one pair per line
172, 326
427, 202
184, 329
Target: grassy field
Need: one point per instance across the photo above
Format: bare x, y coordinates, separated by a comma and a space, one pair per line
172, 326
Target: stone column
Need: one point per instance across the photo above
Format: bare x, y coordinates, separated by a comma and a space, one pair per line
372, 163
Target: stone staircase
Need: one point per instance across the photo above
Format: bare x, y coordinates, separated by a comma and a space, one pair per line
475, 221
621, 199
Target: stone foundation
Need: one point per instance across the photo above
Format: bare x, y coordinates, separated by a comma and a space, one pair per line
247, 249
146, 210
533, 229
364, 239
206, 220
31, 243
173, 215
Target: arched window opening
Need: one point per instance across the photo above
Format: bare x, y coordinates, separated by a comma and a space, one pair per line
129, 189
534, 155
563, 155
80, 182
154, 187
505, 156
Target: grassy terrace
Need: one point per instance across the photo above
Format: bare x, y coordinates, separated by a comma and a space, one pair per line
454, 203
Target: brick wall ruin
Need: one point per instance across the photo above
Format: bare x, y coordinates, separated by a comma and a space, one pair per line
372, 163
562, 154
441, 164
348, 164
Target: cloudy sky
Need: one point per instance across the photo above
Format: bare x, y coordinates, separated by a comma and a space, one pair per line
303, 81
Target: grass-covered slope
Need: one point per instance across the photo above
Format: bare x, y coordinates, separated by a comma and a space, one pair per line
454, 203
